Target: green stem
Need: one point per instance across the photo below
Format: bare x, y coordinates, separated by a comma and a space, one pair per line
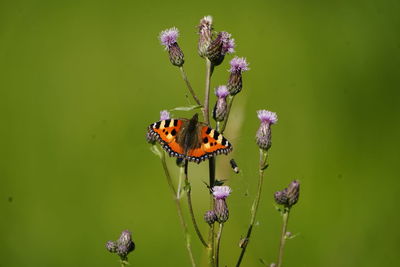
181, 174
184, 76
254, 208
285, 217
221, 226
179, 209
189, 199
228, 111
207, 92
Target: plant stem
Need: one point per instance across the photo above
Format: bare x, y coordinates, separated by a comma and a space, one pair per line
184, 76
228, 111
179, 209
189, 199
181, 174
221, 226
285, 217
254, 208
207, 92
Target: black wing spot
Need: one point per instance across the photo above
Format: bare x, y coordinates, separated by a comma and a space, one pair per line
208, 131
157, 125
166, 124
173, 132
166, 132
216, 134
205, 140
175, 123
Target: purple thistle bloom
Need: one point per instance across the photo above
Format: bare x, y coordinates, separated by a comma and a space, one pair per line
267, 116
228, 43
222, 91
164, 115
221, 192
263, 136
169, 37
239, 64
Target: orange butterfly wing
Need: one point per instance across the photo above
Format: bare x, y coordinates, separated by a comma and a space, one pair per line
212, 144
165, 132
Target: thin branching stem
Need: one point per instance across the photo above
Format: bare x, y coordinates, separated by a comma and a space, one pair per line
179, 208
254, 208
185, 78
285, 217
189, 199
221, 226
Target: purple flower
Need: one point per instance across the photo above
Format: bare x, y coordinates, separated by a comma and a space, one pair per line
222, 91
169, 37
263, 136
228, 43
267, 116
164, 115
238, 64
221, 192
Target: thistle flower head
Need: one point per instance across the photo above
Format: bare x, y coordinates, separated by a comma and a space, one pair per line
239, 65
221, 192
205, 24
228, 43
164, 115
205, 34
123, 246
267, 116
263, 136
288, 196
221, 91
169, 37
210, 217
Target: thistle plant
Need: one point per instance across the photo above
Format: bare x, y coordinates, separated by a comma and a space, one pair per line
200, 139
122, 247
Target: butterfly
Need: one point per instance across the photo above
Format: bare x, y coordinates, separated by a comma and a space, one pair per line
189, 139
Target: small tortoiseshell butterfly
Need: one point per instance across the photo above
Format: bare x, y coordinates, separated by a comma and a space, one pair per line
189, 139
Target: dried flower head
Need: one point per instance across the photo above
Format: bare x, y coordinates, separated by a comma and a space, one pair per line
238, 66
168, 38
263, 136
221, 106
205, 35
221, 192
219, 47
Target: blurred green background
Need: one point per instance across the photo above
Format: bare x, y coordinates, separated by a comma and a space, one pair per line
81, 80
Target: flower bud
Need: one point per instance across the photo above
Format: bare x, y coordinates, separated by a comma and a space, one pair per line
263, 137
205, 34
164, 115
221, 106
168, 39
293, 193
221, 210
280, 197
123, 246
288, 196
110, 246
238, 66
210, 217
219, 47
220, 194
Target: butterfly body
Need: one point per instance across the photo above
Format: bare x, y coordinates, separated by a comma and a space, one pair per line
189, 139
